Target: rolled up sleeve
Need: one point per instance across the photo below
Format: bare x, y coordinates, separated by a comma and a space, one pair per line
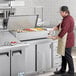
64, 27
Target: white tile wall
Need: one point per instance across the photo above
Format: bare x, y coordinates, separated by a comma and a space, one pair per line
51, 9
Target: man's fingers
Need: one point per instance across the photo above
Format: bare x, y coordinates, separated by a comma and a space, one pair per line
49, 36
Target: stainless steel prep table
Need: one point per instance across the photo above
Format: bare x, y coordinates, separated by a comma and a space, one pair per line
41, 51
12, 57
39, 54
12, 60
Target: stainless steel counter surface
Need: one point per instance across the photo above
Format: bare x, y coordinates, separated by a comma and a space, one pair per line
10, 47
6, 38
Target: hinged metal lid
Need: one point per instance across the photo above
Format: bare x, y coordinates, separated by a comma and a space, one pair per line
22, 22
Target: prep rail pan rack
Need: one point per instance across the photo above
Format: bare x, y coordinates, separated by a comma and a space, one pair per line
20, 22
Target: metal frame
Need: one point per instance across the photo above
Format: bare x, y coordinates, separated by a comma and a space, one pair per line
36, 57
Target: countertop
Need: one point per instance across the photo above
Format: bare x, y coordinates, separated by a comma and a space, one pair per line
9, 47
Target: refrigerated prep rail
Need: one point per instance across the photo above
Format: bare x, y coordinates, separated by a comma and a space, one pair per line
40, 55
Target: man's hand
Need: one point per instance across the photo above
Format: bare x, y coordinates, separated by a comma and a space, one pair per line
53, 29
50, 37
53, 37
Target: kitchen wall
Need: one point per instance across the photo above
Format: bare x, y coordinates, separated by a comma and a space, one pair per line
50, 10
51, 14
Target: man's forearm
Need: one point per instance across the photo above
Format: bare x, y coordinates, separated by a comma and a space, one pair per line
55, 28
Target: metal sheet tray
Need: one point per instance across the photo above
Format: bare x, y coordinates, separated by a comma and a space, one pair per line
30, 35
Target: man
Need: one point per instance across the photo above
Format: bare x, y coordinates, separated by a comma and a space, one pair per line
67, 26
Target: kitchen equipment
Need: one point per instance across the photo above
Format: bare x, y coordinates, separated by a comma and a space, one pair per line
30, 59
7, 39
5, 12
4, 1
56, 58
38, 55
39, 58
23, 22
12, 55
5, 62
18, 61
30, 35
44, 55
12, 60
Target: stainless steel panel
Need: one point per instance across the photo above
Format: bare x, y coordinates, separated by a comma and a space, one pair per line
4, 1
44, 57
30, 59
31, 35
17, 61
56, 59
4, 62
7, 37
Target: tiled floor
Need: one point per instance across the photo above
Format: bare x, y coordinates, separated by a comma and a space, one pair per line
74, 58
46, 74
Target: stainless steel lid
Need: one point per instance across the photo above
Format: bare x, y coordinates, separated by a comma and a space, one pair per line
22, 22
